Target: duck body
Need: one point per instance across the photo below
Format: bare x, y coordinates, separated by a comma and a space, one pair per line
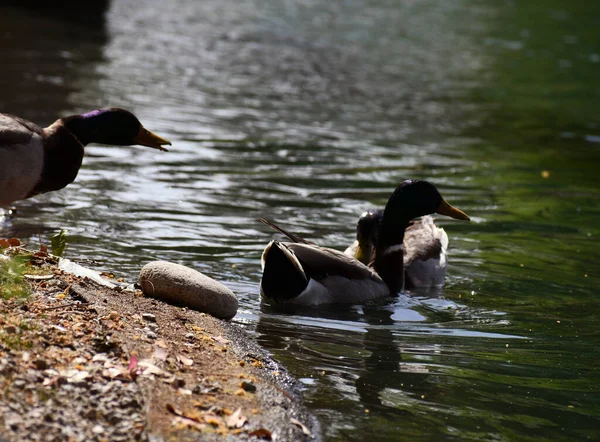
309, 275
36, 160
303, 273
425, 254
21, 158
425, 248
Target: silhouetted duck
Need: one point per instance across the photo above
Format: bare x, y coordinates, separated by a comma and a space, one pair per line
303, 273
425, 248
35, 160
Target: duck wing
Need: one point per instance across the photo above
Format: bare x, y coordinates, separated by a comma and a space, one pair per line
15, 130
320, 262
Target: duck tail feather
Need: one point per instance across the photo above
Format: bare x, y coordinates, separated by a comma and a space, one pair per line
283, 276
293, 237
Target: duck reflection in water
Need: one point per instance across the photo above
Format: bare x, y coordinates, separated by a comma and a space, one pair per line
355, 352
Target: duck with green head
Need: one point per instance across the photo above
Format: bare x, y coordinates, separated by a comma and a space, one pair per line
303, 273
36, 160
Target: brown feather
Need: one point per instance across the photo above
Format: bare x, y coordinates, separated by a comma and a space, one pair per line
292, 236
331, 262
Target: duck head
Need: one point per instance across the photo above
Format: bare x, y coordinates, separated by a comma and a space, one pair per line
367, 234
411, 199
112, 126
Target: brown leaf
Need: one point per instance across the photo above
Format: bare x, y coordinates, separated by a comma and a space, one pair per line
4, 243
236, 420
161, 343
261, 433
14, 242
189, 423
212, 420
305, 429
171, 409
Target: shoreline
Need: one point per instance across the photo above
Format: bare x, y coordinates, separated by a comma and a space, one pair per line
83, 361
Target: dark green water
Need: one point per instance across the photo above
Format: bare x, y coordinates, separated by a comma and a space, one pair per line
308, 113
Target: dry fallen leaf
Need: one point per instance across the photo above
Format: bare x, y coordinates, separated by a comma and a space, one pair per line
185, 360
161, 343
305, 429
212, 420
236, 420
220, 339
112, 372
38, 277
171, 408
79, 377
14, 242
189, 423
100, 357
160, 354
150, 368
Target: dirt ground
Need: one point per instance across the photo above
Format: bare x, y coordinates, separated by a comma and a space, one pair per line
83, 362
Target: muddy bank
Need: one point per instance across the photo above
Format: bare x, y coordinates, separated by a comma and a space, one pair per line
84, 362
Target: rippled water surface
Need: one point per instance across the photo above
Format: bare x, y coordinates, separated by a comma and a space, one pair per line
308, 112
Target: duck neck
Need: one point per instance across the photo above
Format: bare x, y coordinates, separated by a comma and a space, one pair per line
389, 255
82, 128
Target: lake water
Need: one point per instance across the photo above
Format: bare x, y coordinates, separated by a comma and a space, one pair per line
307, 113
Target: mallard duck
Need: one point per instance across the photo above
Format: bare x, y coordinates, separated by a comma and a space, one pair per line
425, 246
36, 160
303, 273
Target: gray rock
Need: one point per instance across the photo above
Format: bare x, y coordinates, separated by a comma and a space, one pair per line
149, 317
181, 285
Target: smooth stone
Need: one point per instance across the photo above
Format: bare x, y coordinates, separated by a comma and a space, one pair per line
181, 285
149, 317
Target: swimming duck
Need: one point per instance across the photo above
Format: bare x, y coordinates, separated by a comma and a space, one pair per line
425, 246
303, 273
36, 160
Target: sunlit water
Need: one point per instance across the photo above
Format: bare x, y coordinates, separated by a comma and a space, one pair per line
309, 112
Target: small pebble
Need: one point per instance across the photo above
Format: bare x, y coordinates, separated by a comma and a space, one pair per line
178, 383
248, 386
152, 327
98, 429
40, 364
149, 317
